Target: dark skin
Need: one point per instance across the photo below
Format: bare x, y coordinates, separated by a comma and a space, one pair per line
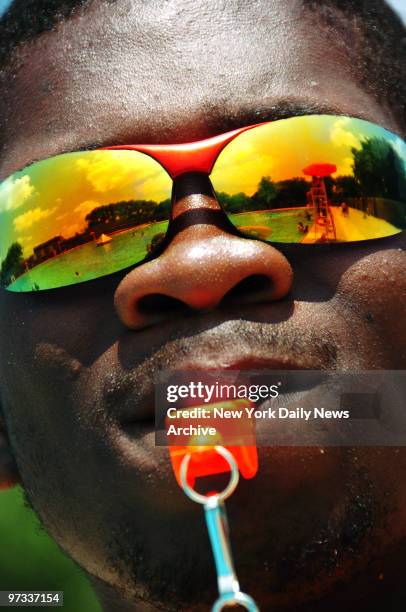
78, 362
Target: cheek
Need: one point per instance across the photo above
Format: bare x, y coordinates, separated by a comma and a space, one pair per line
375, 288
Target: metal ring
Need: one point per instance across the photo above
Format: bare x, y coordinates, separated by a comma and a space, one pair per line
204, 499
240, 598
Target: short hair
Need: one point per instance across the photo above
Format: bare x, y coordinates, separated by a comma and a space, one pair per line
25, 20
376, 38
370, 29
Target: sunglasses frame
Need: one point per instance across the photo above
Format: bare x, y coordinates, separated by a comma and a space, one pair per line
199, 156
193, 157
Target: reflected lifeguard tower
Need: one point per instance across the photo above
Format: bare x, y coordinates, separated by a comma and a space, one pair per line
323, 229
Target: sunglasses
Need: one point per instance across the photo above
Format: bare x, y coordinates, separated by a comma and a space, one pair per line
310, 179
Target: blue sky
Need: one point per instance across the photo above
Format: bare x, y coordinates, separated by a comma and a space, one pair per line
4, 5
400, 7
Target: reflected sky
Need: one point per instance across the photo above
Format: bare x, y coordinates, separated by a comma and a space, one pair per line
282, 149
53, 197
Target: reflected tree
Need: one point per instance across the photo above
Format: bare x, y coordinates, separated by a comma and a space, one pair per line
266, 193
236, 203
379, 169
291, 192
346, 187
12, 265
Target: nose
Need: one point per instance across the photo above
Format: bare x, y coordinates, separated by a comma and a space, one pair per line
205, 263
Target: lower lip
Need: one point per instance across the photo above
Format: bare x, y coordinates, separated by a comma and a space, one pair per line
145, 413
251, 364
269, 431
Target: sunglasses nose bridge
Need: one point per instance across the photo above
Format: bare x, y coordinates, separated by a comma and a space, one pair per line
194, 201
178, 159
181, 161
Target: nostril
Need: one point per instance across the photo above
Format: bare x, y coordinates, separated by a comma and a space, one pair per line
253, 283
250, 288
157, 303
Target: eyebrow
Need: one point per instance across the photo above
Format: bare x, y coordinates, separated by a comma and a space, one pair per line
262, 113
283, 109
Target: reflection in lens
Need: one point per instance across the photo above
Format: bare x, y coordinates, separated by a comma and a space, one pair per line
316, 178
80, 216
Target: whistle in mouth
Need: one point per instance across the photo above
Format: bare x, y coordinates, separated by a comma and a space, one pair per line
235, 434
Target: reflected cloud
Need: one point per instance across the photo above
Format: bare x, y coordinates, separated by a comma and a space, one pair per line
72, 229
341, 136
26, 220
107, 172
400, 148
15, 192
85, 207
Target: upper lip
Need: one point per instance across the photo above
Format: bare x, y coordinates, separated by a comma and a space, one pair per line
135, 407
125, 393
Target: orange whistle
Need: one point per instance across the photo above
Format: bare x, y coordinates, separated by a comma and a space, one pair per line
235, 434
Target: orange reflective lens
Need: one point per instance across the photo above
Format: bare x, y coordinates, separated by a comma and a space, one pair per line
79, 216
309, 179
315, 178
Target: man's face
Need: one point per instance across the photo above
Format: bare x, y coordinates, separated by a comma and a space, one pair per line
76, 363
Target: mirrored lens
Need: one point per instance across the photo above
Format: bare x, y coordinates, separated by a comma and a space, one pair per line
80, 216
314, 179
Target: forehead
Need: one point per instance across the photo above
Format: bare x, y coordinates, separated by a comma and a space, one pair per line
174, 71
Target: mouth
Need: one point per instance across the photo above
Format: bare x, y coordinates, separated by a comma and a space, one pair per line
136, 409
288, 478
293, 485
122, 381
122, 384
